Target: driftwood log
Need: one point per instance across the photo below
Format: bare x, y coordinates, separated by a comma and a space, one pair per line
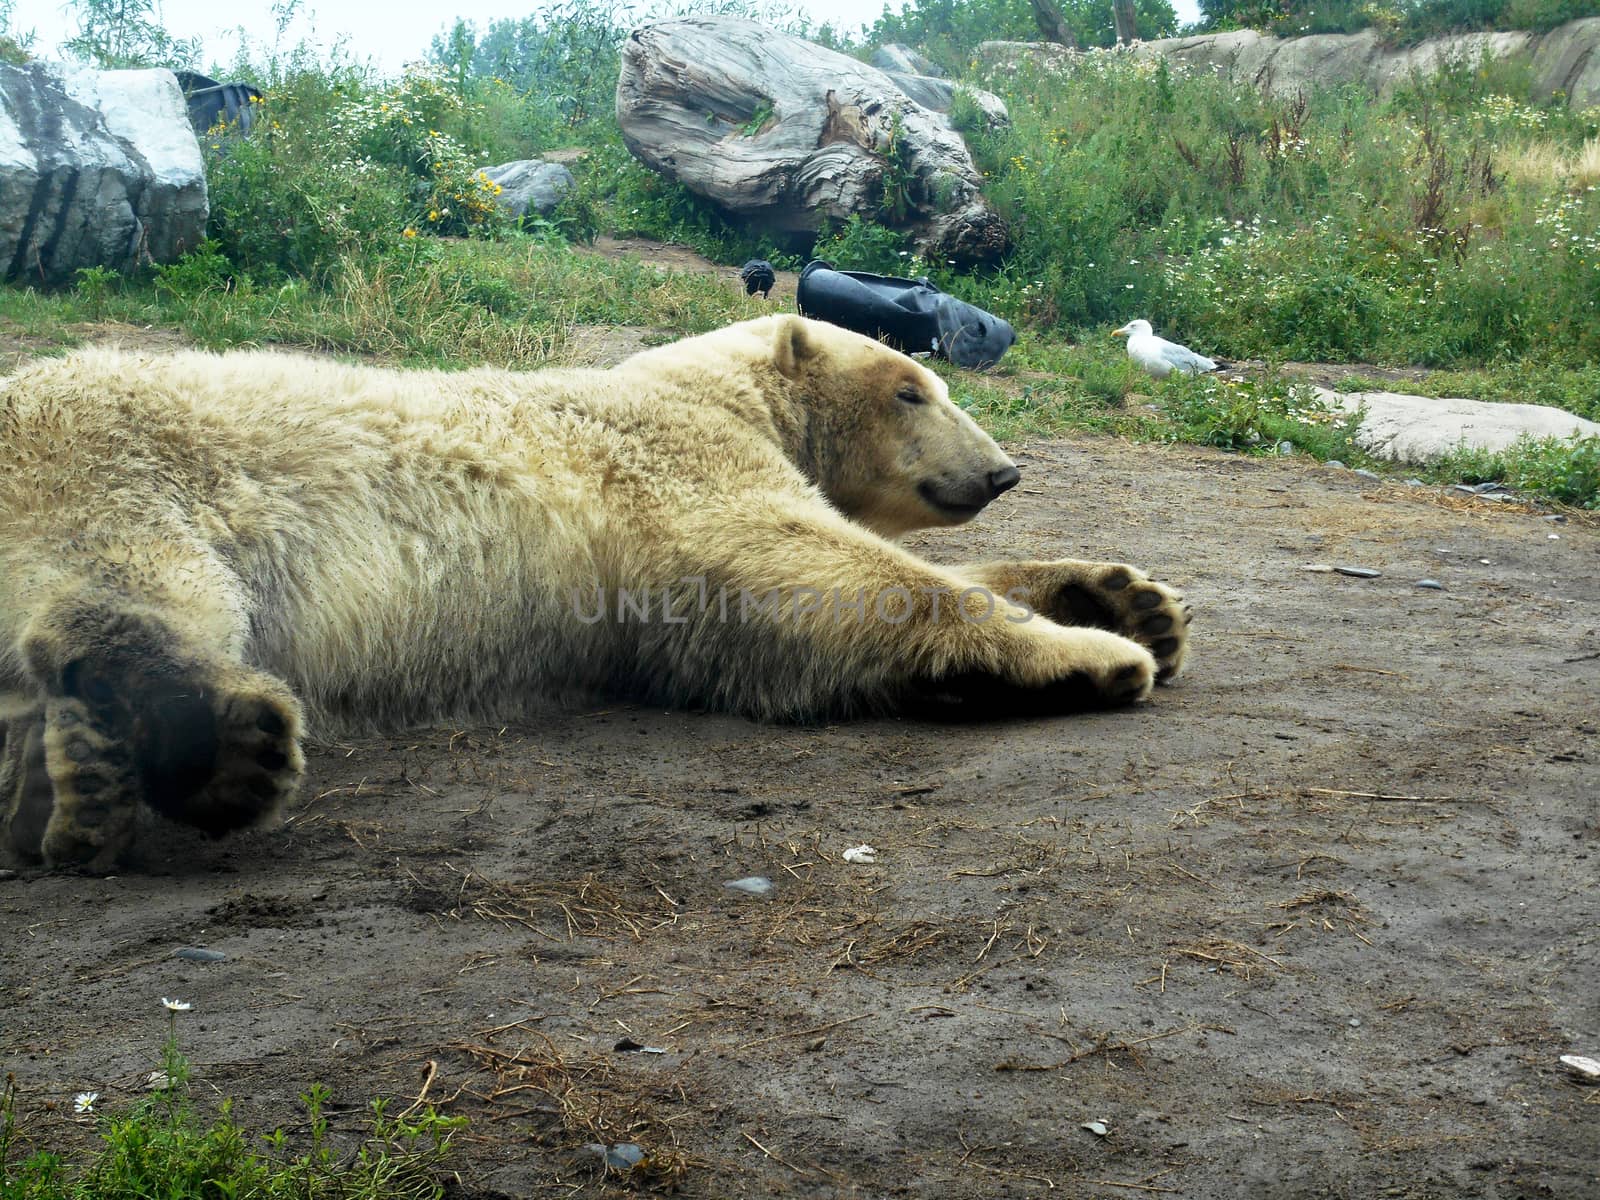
788, 135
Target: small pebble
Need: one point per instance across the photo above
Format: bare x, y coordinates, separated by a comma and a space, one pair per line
752, 885
1558, 518
1359, 572
1433, 585
1415, 483
1355, 1022
1365, 474
1334, 462
1554, 537
624, 1156
1098, 1128
1319, 568
195, 954
861, 854
1285, 447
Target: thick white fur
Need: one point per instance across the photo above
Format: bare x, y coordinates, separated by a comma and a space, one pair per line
379, 548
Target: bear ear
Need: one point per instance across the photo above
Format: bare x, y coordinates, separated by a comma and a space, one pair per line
792, 345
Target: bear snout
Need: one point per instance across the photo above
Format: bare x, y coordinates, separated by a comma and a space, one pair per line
1003, 480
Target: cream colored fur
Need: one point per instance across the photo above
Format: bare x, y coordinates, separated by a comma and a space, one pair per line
202, 556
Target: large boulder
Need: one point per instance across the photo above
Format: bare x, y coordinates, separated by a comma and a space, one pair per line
1565, 61
530, 185
97, 169
1419, 429
787, 135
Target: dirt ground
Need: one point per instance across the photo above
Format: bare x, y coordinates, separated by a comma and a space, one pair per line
1316, 922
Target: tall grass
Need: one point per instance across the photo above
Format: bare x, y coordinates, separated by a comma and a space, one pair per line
1330, 226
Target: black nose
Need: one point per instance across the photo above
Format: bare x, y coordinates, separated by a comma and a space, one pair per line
1003, 480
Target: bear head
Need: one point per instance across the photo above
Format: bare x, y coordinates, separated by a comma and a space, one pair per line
883, 440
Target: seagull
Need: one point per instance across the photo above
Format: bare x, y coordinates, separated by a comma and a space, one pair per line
1159, 357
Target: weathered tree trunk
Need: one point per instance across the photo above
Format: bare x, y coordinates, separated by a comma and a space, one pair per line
1052, 25
1122, 16
788, 135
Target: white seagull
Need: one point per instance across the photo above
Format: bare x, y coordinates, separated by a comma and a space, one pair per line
1159, 357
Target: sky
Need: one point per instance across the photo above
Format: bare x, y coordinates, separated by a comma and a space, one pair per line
389, 32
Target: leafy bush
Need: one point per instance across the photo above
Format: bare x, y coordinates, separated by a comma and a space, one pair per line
1566, 471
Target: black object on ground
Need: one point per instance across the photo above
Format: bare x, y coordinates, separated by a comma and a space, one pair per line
757, 276
212, 103
910, 314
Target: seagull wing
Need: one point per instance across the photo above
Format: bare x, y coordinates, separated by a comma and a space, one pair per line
1181, 358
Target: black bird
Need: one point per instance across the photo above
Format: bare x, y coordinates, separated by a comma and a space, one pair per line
757, 276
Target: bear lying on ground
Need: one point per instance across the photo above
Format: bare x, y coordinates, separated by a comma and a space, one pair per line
203, 556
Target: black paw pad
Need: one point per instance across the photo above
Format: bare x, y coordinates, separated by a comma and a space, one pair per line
1165, 647
1147, 600
1157, 624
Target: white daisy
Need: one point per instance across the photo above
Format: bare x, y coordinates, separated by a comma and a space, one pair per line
83, 1102
176, 1006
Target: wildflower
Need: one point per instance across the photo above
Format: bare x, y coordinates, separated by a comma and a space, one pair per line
83, 1102
433, 214
176, 1006
408, 232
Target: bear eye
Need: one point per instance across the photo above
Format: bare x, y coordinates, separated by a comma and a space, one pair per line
910, 394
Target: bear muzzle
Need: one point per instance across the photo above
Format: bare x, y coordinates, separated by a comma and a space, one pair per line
966, 499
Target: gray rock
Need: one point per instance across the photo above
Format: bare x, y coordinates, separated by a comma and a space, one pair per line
1285, 447
1433, 585
1419, 429
97, 169
197, 954
939, 95
787, 135
1359, 572
895, 57
1335, 463
1365, 474
1415, 483
753, 885
1565, 60
530, 185
624, 1156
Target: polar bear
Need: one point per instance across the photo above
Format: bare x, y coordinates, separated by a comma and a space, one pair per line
203, 557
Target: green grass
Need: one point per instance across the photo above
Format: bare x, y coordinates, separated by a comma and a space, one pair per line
162, 1148
431, 303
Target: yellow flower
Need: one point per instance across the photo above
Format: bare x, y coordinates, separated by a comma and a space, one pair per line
408, 232
433, 214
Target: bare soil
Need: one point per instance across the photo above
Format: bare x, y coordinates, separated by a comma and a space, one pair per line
1316, 922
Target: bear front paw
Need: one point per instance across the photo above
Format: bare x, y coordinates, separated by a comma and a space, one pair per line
1126, 601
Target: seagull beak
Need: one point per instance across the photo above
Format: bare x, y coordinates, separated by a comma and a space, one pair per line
1123, 332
